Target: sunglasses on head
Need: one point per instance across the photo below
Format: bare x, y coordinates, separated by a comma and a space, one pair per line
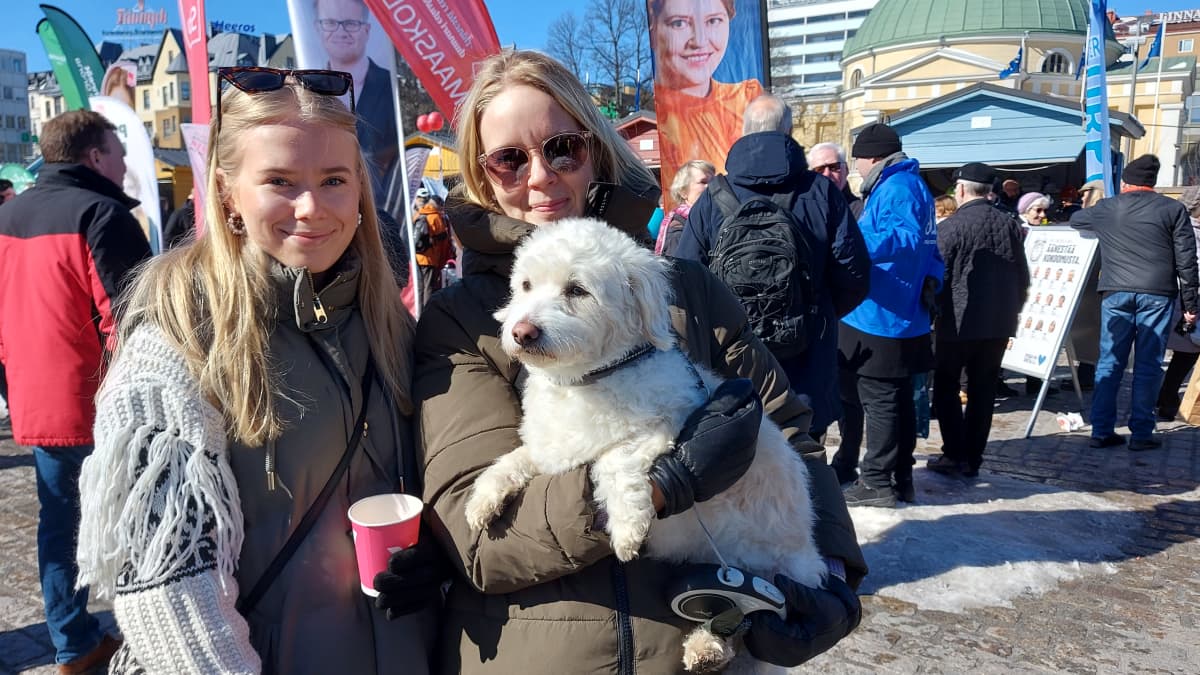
563, 152
256, 80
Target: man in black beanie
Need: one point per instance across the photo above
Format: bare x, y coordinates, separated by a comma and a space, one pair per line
1149, 252
885, 340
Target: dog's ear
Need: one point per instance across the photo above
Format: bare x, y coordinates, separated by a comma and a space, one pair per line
652, 298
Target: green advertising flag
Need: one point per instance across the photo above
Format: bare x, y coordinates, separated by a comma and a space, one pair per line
72, 56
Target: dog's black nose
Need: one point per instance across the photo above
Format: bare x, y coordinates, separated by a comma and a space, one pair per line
525, 333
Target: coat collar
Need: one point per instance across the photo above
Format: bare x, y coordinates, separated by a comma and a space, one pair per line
80, 176
489, 238
312, 309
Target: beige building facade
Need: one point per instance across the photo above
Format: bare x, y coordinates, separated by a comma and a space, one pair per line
911, 52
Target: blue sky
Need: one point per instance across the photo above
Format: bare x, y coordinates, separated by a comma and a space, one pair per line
517, 21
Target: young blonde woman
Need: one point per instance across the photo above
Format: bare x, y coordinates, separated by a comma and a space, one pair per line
253, 367
540, 591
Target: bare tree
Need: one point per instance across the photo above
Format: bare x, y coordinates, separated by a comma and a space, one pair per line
414, 99
565, 43
611, 34
644, 62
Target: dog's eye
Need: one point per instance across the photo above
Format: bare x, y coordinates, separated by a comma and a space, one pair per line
574, 290
525, 285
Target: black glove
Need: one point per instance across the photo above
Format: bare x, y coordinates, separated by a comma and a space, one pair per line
817, 618
713, 450
413, 578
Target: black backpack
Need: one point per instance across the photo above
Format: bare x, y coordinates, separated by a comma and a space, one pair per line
763, 257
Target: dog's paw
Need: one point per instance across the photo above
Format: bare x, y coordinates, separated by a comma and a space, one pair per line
626, 551
625, 543
704, 652
482, 508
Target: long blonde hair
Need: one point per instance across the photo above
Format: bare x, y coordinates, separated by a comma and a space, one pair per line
214, 298
613, 160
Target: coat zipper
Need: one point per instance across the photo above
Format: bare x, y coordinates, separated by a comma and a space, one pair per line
625, 661
322, 318
318, 308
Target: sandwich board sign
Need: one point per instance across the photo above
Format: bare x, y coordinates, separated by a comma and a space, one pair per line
1060, 259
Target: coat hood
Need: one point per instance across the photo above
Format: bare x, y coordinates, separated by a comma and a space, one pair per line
767, 157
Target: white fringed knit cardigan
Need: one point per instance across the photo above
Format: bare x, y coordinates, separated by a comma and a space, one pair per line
161, 522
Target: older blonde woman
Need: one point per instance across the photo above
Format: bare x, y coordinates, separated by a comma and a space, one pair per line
690, 182
540, 591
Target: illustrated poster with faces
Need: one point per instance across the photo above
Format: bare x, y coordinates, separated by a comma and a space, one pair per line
1060, 259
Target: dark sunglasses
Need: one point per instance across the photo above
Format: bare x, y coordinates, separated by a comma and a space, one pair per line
564, 153
834, 166
256, 80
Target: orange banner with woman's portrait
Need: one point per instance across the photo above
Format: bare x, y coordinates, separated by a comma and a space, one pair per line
709, 64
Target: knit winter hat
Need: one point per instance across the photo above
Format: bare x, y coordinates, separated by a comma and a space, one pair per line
1027, 200
1142, 171
877, 140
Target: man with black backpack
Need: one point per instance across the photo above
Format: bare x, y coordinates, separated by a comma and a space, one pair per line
782, 238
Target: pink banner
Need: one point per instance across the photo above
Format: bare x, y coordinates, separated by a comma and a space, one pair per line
195, 45
440, 40
195, 137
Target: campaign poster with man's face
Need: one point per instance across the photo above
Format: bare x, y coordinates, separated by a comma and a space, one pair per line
344, 35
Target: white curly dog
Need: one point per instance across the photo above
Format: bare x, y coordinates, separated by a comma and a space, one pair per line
586, 297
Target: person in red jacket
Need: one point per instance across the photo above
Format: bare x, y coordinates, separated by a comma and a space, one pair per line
67, 246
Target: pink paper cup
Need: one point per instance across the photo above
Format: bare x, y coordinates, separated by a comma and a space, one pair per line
382, 525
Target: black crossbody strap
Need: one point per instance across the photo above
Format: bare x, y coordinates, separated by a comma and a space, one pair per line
250, 600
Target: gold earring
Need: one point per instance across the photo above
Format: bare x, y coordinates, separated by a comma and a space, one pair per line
237, 225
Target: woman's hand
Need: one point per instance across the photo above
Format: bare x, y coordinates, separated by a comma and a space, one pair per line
817, 618
714, 449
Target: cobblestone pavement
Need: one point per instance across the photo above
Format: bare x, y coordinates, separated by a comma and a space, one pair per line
1144, 618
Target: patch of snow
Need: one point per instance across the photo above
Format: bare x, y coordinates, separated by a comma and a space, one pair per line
966, 545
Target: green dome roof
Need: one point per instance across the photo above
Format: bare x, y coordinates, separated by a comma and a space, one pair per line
894, 22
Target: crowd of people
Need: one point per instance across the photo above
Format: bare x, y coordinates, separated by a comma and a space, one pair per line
203, 419
240, 390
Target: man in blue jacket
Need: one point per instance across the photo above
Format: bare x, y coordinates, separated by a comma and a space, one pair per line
766, 161
885, 340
